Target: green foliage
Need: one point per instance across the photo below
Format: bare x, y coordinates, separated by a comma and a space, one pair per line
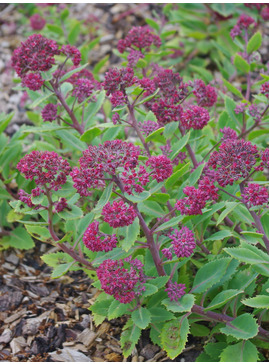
244, 351
174, 336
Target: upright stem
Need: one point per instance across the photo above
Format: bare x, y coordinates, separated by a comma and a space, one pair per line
189, 149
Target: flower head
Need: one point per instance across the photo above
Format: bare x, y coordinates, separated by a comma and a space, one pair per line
37, 22
243, 23
265, 89
206, 95
228, 133
72, 52
140, 37
49, 112
147, 127
118, 214
46, 168
161, 166
35, 54
255, 195
96, 241
175, 290
233, 161
122, 279
195, 117
165, 111
61, 204
83, 88
33, 81
118, 79
183, 242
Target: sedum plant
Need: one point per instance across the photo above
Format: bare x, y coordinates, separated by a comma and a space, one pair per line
156, 187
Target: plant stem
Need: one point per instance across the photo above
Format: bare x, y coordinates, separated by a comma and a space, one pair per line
189, 148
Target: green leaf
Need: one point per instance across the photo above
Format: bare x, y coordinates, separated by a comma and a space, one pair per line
159, 281
117, 309
214, 349
55, 29
260, 301
93, 108
150, 290
104, 198
174, 337
101, 307
156, 136
141, 317
130, 234
100, 64
55, 259
174, 178
129, 338
159, 314
20, 239
246, 255
114, 254
184, 304
71, 140
254, 43
70, 73
153, 24
73, 34
90, 134
242, 327
5, 120
73, 212
232, 88
180, 145
220, 235
39, 232
244, 351
210, 274
148, 98
199, 330
61, 270
230, 207
241, 64
222, 298
172, 222
45, 128
138, 197
151, 208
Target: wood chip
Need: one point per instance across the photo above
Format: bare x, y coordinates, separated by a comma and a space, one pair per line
17, 344
69, 355
6, 336
87, 337
15, 316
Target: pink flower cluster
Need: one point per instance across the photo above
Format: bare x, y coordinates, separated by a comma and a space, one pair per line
265, 158
96, 241
147, 127
47, 168
162, 167
37, 22
206, 95
134, 180
175, 290
195, 117
61, 204
243, 23
265, 89
118, 79
118, 214
255, 195
49, 112
105, 158
183, 242
83, 88
228, 133
197, 197
141, 38
37, 54
234, 160
122, 279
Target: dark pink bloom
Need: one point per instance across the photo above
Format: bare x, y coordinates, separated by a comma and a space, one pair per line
161, 166
116, 118
35, 54
254, 112
118, 79
148, 85
193, 203
147, 127
96, 241
240, 108
133, 180
37, 22
265, 157
255, 195
265, 13
140, 37
122, 279
83, 88
183, 242
26, 198
165, 111
195, 117
118, 98
228, 133
133, 57
84, 73
265, 89
61, 204
206, 95
167, 253
49, 112
243, 23
87, 178
118, 214
33, 81
46, 168
175, 290
72, 52
233, 161
170, 84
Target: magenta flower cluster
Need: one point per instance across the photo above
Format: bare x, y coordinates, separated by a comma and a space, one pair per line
97, 241
48, 169
234, 160
37, 22
183, 242
161, 167
118, 214
175, 290
49, 112
242, 25
197, 197
122, 279
195, 117
255, 195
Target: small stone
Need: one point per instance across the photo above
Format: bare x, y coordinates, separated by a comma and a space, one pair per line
8, 266
12, 258
149, 351
6, 336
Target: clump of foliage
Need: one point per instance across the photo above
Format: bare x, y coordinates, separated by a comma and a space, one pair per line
154, 184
